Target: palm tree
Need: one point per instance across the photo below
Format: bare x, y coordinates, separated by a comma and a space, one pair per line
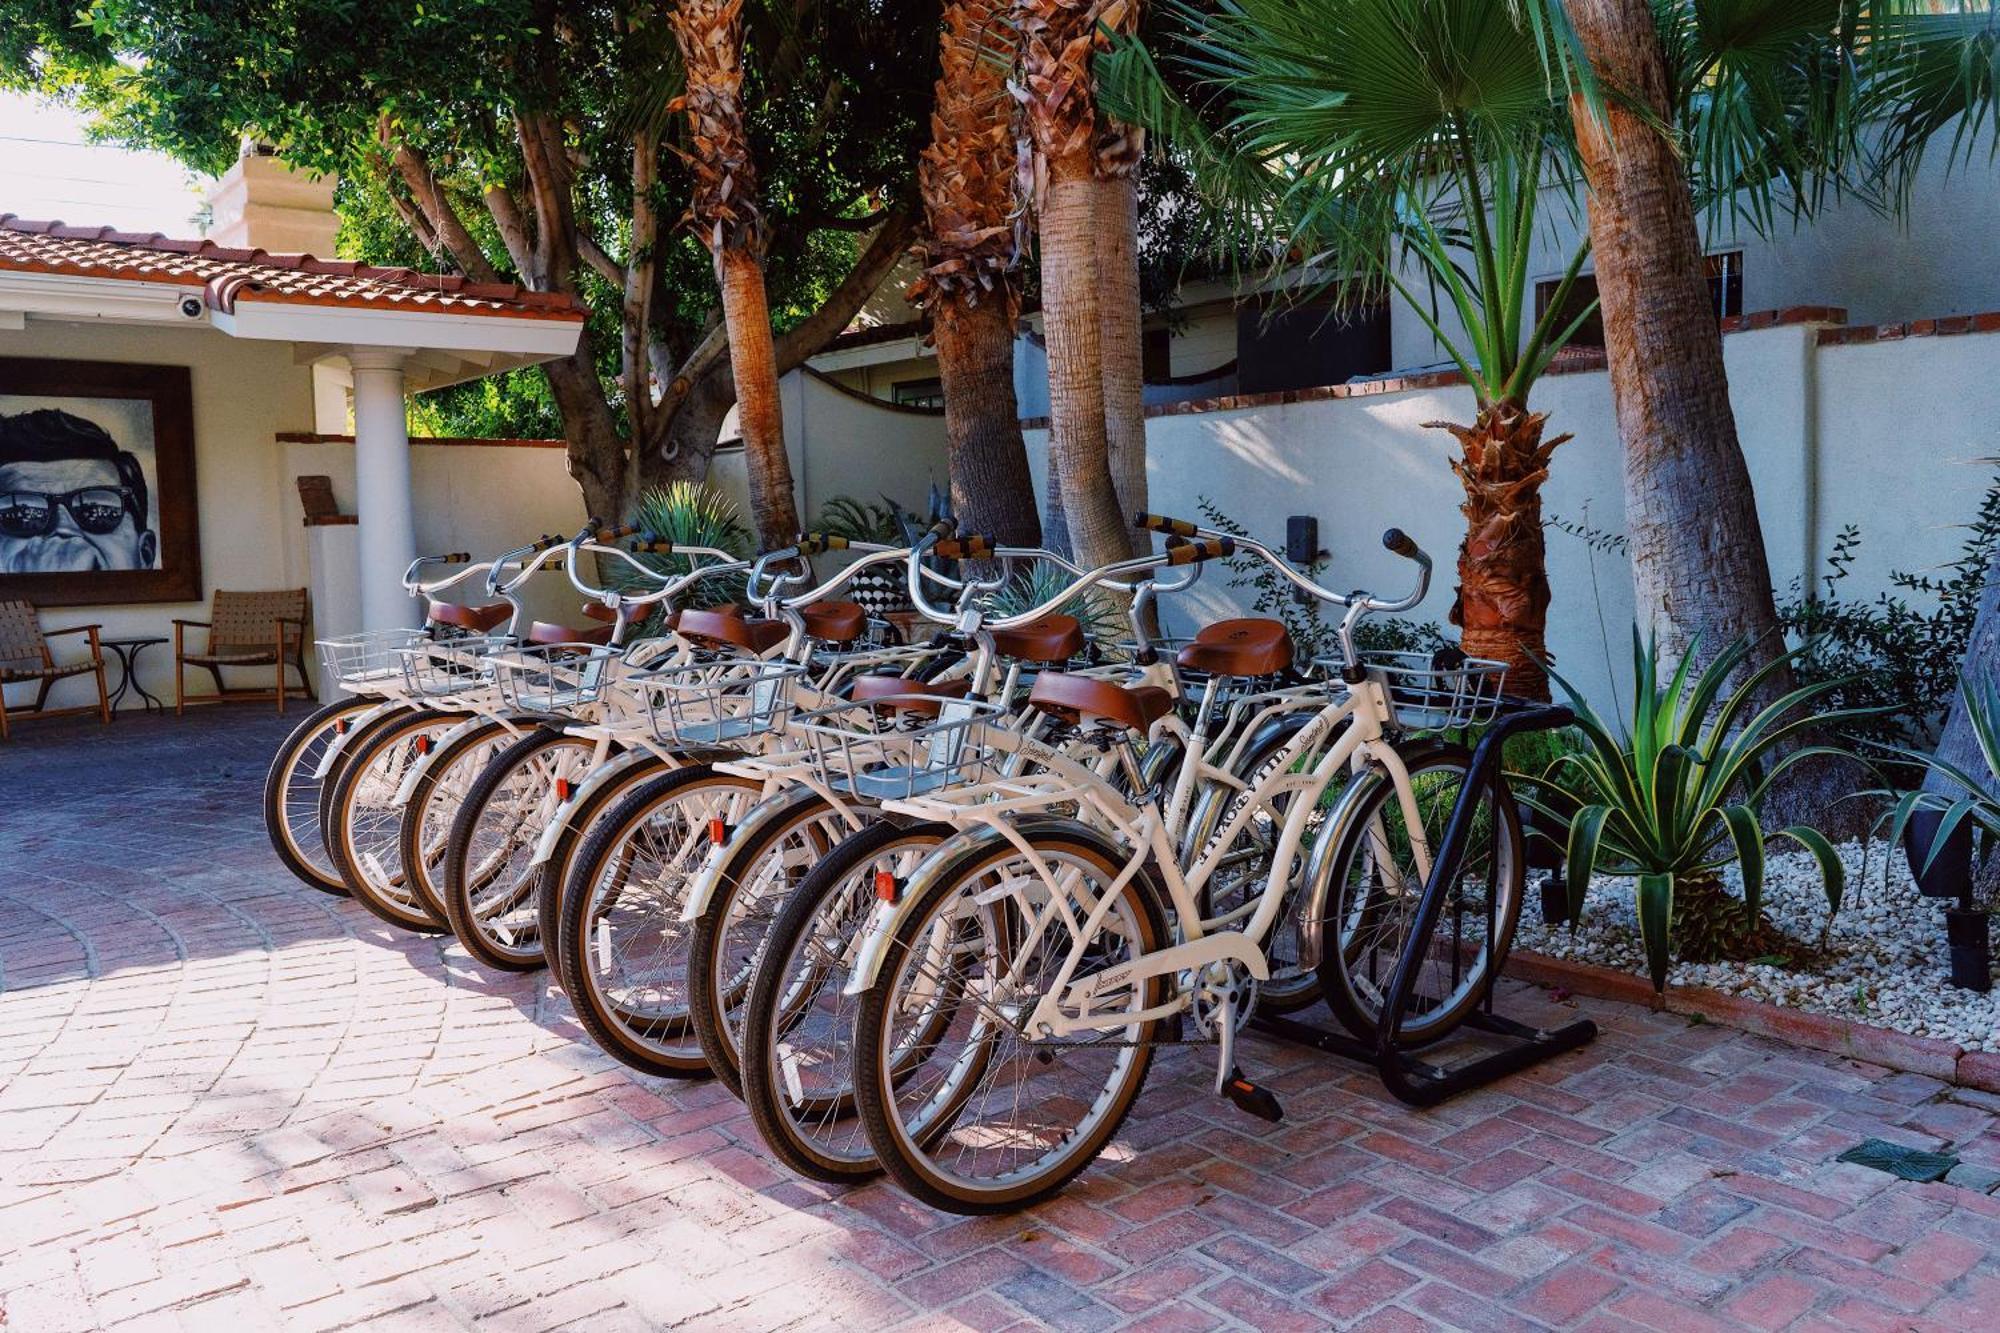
725, 214
1058, 41
970, 286
1754, 106
1403, 146
1120, 311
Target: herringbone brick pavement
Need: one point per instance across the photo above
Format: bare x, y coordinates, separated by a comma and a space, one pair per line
229, 1102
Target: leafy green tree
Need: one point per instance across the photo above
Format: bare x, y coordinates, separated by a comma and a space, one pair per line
538, 141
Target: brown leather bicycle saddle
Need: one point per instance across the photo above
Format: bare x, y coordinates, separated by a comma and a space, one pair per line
726, 629
477, 619
1084, 699
1247, 647
888, 687
546, 632
1045, 642
834, 622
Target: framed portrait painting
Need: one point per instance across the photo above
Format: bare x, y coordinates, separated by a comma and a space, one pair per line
97, 501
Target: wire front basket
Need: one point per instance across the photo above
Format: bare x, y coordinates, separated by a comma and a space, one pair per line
710, 703
436, 668
375, 658
556, 678
1439, 691
898, 747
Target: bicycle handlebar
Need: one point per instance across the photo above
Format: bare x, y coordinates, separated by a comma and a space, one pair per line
1395, 540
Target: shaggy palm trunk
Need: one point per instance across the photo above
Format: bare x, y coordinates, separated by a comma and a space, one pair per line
992, 491
753, 361
1503, 582
1713, 925
1121, 342
1697, 548
1071, 315
1055, 524
1699, 567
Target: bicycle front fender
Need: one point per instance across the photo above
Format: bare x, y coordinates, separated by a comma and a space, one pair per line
948, 860
723, 859
355, 726
608, 771
441, 746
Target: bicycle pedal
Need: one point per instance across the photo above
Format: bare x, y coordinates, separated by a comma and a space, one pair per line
1247, 1096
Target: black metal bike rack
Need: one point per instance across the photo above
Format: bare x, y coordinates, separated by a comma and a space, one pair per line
1413, 1080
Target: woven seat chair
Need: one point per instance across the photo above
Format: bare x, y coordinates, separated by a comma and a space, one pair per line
25, 656
246, 629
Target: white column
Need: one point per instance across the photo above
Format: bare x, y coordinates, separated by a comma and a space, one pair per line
382, 487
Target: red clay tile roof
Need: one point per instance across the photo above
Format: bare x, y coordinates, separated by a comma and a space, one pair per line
229, 276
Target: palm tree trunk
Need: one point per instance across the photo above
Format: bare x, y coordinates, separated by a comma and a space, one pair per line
1120, 320
1071, 315
1698, 560
1503, 583
754, 364
1055, 524
991, 489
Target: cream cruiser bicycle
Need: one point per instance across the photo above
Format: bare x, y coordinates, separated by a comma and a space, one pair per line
368, 681
826, 774
1035, 958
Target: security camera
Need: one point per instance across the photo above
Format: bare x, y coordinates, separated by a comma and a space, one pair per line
191, 307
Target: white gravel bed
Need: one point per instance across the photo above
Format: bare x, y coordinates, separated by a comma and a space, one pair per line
1883, 959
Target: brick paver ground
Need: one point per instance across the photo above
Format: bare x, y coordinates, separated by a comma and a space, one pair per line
229, 1102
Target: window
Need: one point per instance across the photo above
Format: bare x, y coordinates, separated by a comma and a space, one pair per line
919, 393
1304, 346
1724, 272
1156, 355
1725, 282
1581, 293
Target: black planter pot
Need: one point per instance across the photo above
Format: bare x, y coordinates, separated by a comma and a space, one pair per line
1544, 846
1950, 875
1969, 933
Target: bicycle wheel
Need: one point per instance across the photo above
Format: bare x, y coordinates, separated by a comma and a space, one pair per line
487, 873
358, 733
728, 937
623, 946
436, 801
798, 1021
291, 794
576, 825
1027, 1113
1374, 886
365, 832
1233, 892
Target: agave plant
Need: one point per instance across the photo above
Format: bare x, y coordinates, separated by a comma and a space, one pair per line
861, 520
1102, 619
1674, 800
1974, 800
691, 513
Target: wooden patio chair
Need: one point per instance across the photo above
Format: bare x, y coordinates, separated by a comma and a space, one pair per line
246, 629
25, 656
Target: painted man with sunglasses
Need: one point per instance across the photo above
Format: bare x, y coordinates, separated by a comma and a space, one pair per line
71, 500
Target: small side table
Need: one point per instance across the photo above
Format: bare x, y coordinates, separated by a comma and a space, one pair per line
128, 651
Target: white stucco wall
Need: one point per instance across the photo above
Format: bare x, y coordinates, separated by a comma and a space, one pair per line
857, 449
1887, 435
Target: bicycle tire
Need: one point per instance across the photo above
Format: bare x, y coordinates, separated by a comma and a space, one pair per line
292, 767
401, 728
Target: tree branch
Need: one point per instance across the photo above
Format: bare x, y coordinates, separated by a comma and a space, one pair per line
643, 255
513, 227
447, 228
806, 338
